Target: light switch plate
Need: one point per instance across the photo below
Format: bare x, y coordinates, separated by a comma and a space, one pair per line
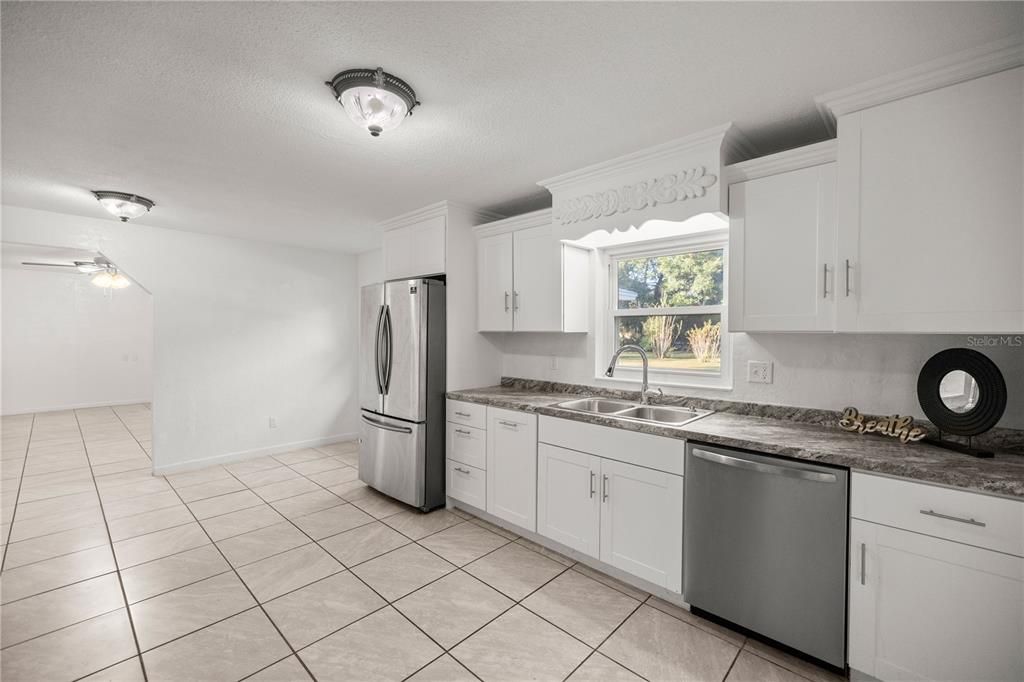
759, 372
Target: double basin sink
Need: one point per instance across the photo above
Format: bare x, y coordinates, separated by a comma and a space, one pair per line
620, 409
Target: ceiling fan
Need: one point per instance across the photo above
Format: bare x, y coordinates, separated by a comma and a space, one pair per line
86, 267
105, 273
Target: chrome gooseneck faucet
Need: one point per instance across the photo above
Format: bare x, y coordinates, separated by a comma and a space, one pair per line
610, 372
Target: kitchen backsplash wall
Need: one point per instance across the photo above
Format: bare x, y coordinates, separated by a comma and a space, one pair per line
876, 373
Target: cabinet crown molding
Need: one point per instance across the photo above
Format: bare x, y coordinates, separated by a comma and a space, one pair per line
539, 218
938, 73
782, 162
441, 208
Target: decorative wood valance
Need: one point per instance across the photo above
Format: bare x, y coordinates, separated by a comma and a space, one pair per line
672, 181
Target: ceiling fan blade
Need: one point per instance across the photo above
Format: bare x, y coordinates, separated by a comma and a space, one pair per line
49, 265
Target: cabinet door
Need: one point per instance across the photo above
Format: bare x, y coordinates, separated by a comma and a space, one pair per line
642, 523
781, 246
537, 265
494, 275
922, 608
930, 211
512, 466
415, 250
568, 500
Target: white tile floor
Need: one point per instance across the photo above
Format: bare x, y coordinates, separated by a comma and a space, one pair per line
289, 568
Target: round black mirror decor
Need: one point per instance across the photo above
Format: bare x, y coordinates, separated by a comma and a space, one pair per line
962, 393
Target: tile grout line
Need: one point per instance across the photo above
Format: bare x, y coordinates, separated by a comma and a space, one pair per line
237, 576
259, 604
17, 495
120, 580
387, 602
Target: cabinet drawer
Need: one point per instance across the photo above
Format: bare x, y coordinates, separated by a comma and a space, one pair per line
467, 484
469, 414
468, 445
971, 518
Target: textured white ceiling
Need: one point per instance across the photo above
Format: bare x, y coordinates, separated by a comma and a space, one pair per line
218, 111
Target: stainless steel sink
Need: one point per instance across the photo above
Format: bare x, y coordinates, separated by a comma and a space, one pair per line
673, 416
598, 405
621, 409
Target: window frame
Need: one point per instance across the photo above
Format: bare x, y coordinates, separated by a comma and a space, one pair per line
608, 311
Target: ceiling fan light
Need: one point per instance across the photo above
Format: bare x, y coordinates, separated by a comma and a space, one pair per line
119, 281
373, 99
122, 205
104, 280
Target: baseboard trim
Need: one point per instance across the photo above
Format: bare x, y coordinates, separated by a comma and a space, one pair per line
228, 458
81, 406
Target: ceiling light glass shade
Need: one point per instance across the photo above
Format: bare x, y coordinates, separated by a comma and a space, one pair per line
111, 279
373, 99
122, 205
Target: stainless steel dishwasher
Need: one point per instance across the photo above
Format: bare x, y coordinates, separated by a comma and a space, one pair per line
764, 546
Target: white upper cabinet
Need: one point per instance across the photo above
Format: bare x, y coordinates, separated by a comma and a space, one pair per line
415, 250
494, 299
931, 222
528, 279
782, 226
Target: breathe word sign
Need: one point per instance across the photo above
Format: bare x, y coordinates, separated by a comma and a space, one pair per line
894, 425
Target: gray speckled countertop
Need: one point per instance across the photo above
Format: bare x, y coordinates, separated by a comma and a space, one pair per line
1001, 475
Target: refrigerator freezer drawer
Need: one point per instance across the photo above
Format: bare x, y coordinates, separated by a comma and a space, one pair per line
392, 457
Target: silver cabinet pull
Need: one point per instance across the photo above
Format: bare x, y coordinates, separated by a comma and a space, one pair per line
463, 432
863, 561
604, 488
972, 522
824, 281
847, 276
463, 471
506, 301
511, 425
515, 300
463, 414
593, 484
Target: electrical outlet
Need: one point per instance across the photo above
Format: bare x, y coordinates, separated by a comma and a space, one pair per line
272, 422
759, 372
554, 362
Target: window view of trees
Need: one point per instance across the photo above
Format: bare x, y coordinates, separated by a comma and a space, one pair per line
662, 285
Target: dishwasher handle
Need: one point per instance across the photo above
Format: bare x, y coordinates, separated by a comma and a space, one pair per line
760, 467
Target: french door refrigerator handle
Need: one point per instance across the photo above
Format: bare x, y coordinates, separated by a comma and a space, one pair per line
386, 427
377, 352
791, 472
389, 346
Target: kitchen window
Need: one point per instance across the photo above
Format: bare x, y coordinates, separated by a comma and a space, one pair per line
671, 301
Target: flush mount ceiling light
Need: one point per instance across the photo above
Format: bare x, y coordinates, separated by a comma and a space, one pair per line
373, 99
123, 206
111, 279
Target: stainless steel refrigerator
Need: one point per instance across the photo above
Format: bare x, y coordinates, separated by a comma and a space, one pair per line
401, 390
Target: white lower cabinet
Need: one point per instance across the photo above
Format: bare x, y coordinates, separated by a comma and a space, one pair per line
932, 603
512, 466
568, 498
628, 516
467, 483
642, 522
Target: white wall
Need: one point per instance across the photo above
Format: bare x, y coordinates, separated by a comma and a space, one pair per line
370, 267
68, 344
874, 372
243, 331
